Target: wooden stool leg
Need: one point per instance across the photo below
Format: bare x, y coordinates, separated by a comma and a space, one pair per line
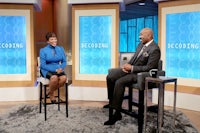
141, 111
40, 109
43, 99
130, 98
66, 98
59, 99
45, 103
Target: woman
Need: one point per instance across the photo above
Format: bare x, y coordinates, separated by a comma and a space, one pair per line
52, 64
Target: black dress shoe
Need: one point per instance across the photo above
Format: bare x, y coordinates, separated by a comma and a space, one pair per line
106, 106
113, 119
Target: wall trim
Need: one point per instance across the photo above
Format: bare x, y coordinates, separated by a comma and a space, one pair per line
183, 100
19, 93
87, 93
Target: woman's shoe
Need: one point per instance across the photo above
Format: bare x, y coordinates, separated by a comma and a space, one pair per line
51, 96
53, 101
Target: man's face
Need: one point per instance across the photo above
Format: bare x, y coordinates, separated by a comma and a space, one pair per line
144, 36
52, 41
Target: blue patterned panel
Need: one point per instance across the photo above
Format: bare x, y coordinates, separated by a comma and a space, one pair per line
132, 32
123, 26
132, 23
123, 40
155, 28
123, 36
140, 26
95, 44
183, 45
148, 21
13, 45
131, 39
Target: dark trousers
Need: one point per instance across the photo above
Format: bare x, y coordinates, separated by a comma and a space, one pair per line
116, 82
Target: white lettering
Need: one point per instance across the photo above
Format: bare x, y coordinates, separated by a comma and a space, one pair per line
183, 45
94, 45
10, 45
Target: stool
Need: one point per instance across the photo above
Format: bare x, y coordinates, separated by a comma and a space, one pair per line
162, 80
43, 98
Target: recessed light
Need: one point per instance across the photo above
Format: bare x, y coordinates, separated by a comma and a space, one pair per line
141, 3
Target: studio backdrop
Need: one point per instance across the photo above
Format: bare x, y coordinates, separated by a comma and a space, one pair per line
94, 43
180, 43
16, 45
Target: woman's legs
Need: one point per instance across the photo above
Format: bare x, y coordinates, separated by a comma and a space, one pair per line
62, 80
53, 85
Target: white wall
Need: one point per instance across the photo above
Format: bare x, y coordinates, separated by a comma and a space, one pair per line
87, 93
183, 100
19, 93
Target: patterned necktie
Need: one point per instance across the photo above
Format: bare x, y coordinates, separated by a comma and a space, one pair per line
141, 51
53, 51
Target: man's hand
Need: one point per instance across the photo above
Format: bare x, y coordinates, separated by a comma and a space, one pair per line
126, 68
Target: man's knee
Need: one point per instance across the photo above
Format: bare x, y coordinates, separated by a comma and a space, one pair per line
112, 73
108, 77
119, 82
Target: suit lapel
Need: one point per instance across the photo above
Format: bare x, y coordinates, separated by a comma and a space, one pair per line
145, 50
133, 59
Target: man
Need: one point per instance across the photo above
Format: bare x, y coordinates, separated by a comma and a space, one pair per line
145, 58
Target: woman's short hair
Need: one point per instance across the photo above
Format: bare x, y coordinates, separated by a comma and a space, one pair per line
50, 34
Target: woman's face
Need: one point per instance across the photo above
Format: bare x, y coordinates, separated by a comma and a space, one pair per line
52, 41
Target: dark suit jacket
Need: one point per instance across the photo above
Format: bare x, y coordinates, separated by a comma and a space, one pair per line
148, 60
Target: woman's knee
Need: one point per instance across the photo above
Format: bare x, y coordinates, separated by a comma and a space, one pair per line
54, 79
108, 77
62, 79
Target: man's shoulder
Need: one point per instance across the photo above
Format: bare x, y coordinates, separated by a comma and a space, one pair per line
154, 45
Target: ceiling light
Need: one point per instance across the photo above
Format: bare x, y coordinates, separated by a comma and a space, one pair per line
141, 3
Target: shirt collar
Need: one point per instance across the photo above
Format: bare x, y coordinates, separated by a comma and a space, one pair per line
147, 44
51, 46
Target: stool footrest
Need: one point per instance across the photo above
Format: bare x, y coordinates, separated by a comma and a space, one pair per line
132, 114
44, 99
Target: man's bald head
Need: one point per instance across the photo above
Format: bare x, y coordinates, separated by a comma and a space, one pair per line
146, 35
